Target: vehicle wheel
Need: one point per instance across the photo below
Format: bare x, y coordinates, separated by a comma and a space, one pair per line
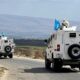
8, 49
72, 66
79, 67
47, 63
56, 65
5, 56
74, 51
0, 56
10, 55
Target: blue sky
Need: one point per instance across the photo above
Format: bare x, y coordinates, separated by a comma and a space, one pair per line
61, 9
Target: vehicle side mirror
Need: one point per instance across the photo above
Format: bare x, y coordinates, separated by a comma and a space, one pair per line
45, 40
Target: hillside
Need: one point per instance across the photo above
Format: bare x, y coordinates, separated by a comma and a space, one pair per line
25, 27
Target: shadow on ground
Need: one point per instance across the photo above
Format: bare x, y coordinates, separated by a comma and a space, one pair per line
43, 70
3, 58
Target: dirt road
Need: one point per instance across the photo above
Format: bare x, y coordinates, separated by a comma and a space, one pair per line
29, 69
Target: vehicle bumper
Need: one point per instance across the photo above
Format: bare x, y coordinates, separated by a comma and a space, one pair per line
69, 62
2, 54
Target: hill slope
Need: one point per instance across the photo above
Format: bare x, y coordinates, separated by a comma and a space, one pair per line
25, 27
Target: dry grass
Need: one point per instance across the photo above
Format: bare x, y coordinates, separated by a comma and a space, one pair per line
30, 51
2, 69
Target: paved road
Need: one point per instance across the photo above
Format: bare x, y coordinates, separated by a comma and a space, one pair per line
25, 69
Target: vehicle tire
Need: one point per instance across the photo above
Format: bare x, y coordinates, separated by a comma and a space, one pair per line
79, 67
5, 56
8, 49
74, 51
56, 65
0, 56
72, 66
10, 55
47, 63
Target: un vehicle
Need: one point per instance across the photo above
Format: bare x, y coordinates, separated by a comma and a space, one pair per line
6, 47
63, 48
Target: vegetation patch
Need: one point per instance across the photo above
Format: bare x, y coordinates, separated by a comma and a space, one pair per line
2, 70
30, 51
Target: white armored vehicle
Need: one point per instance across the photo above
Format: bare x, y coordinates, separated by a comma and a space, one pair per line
6, 47
63, 48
